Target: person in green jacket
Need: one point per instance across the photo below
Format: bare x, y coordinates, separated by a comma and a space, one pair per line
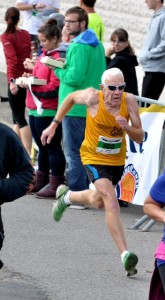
83, 68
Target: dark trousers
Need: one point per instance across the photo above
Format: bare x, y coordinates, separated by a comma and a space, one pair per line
156, 291
50, 156
17, 104
153, 84
1, 230
162, 275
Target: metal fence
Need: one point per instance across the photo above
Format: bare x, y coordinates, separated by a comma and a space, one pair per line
146, 101
143, 102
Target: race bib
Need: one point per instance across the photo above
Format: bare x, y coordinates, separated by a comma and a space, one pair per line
109, 145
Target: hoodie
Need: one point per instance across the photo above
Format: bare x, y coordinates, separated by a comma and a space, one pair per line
85, 63
152, 55
126, 63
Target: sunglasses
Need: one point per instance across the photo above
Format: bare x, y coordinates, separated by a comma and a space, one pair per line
114, 87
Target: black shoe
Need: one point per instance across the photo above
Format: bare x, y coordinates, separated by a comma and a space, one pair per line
123, 203
1, 264
4, 99
1, 239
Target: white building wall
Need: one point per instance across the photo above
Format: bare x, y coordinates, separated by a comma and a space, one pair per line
134, 16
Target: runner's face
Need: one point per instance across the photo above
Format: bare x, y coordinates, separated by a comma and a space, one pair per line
113, 98
73, 25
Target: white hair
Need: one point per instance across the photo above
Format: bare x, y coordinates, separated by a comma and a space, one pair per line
111, 72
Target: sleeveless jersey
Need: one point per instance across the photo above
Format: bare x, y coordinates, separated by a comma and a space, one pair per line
104, 142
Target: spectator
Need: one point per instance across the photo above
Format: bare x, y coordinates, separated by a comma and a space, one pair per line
17, 46
153, 207
103, 152
32, 13
66, 39
17, 174
94, 20
152, 55
125, 58
81, 70
63, 46
51, 157
60, 22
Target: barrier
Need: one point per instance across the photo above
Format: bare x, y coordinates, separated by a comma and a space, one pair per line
149, 101
145, 218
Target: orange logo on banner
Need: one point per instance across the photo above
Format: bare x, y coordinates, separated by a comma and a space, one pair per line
127, 187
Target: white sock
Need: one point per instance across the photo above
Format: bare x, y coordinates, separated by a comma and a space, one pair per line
123, 255
66, 198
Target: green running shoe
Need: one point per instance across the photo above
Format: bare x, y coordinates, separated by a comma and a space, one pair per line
130, 261
59, 206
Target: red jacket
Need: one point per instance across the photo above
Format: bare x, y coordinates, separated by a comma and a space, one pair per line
17, 47
47, 94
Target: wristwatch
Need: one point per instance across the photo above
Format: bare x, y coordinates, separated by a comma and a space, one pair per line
56, 121
12, 80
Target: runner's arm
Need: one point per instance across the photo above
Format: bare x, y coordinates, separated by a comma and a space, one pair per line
87, 97
134, 131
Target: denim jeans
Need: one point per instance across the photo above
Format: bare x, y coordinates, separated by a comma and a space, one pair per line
73, 136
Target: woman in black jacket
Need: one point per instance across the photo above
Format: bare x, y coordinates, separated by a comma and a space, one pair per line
124, 59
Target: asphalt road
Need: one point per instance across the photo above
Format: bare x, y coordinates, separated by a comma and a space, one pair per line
71, 260
74, 259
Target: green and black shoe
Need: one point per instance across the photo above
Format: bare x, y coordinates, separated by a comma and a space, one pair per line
130, 261
60, 205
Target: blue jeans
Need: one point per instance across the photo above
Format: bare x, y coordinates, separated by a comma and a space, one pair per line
73, 136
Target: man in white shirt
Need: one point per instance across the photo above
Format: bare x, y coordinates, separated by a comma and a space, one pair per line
33, 11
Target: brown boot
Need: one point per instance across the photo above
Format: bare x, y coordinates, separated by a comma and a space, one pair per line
49, 191
41, 180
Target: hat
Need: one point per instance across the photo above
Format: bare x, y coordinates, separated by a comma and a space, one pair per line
58, 17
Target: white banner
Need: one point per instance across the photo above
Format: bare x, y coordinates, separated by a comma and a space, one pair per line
142, 163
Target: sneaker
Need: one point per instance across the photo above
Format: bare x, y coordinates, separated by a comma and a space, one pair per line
130, 261
123, 203
59, 206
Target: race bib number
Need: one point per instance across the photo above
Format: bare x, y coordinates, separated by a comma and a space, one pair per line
109, 145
